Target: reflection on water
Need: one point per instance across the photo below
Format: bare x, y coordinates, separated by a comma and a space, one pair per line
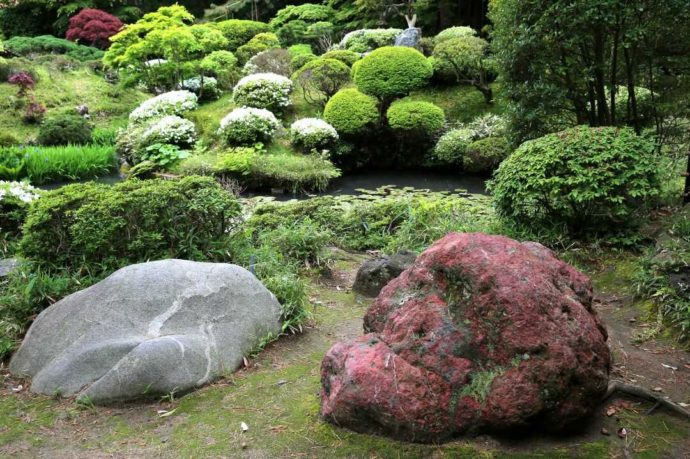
353, 183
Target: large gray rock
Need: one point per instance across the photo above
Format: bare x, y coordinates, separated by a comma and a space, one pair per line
409, 37
7, 266
375, 274
152, 328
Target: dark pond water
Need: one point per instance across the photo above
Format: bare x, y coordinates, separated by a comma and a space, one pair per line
350, 184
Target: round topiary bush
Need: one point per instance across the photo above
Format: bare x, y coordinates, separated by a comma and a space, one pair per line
416, 117
451, 147
169, 103
583, 180
310, 134
483, 156
391, 72
246, 125
263, 90
346, 57
205, 88
65, 130
351, 112
321, 78
454, 32
276, 60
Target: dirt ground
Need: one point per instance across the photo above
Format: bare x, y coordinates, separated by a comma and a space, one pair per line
277, 397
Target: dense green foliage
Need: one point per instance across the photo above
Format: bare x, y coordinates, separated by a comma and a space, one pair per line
41, 165
304, 23
47, 44
260, 42
321, 78
582, 181
106, 227
484, 155
65, 129
416, 117
239, 31
560, 72
351, 112
391, 72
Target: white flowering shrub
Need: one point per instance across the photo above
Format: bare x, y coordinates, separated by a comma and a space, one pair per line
248, 125
205, 88
171, 130
487, 126
169, 103
364, 40
263, 90
15, 198
312, 133
17, 191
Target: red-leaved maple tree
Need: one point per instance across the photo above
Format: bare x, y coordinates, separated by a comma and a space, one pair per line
93, 27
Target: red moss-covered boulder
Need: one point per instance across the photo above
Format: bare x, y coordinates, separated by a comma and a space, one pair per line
482, 333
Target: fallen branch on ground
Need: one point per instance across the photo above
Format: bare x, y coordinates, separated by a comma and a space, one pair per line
641, 392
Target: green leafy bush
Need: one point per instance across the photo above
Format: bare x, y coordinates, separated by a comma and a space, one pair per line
364, 40
483, 156
321, 78
65, 129
277, 61
222, 65
351, 112
302, 23
416, 117
239, 31
392, 72
346, 57
7, 139
583, 180
106, 227
451, 147
454, 32
297, 173
47, 44
261, 42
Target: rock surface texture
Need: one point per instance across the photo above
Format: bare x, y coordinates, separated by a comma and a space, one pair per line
482, 333
409, 37
375, 274
152, 328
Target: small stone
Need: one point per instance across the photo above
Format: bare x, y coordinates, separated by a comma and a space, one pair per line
622, 432
658, 389
244, 445
605, 431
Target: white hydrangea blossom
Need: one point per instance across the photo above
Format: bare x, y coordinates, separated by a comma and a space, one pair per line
263, 90
172, 130
247, 125
20, 190
312, 133
169, 103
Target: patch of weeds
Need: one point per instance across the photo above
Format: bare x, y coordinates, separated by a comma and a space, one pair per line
652, 436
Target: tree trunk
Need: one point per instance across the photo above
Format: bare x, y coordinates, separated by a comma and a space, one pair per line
629, 68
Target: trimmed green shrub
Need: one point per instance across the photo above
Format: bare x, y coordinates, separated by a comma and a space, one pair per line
454, 32
584, 181
321, 78
7, 139
364, 40
261, 42
483, 156
351, 112
247, 125
297, 173
222, 65
451, 147
309, 134
65, 130
416, 117
346, 57
48, 44
106, 227
392, 72
301, 60
239, 31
